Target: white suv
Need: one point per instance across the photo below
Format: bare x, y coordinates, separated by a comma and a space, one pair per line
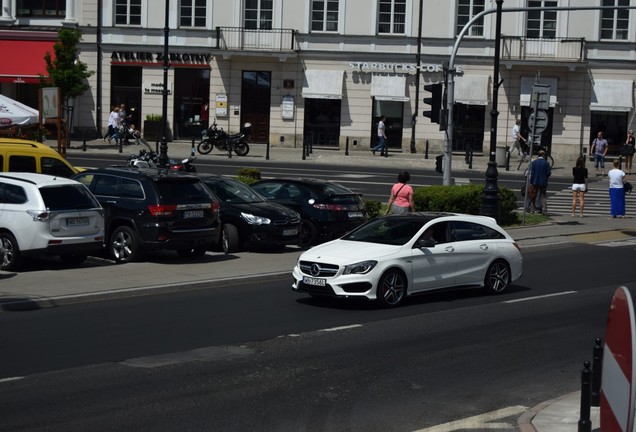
47, 215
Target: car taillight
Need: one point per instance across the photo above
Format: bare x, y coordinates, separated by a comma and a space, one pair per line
216, 207
330, 206
39, 215
157, 210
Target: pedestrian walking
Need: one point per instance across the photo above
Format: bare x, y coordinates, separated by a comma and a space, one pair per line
539, 173
629, 157
401, 199
109, 131
517, 138
599, 150
616, 190
579, 185
381, 139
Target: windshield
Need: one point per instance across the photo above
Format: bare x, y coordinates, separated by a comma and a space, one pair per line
233, 191
395, 231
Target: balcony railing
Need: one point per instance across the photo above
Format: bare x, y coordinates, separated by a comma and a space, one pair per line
559, 49
239, 38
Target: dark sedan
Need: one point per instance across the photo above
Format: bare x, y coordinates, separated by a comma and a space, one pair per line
249, 220
328, 210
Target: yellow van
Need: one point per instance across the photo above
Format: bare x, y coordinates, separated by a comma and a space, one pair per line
18, 155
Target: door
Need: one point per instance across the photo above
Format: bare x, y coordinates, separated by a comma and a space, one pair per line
393, 126
434, 267
255, 103
474, 248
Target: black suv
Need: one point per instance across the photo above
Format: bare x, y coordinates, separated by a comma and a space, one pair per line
150, 209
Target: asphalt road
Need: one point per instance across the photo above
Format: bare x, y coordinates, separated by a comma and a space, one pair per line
259, 357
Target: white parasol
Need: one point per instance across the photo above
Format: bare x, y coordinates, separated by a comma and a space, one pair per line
15, 113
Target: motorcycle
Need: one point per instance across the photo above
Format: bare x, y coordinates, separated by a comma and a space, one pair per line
150, 159
215, 137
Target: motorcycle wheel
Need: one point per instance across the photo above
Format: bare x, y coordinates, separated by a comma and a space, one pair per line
241, 148
204, 147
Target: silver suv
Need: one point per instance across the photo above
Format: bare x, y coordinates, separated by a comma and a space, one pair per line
47, 215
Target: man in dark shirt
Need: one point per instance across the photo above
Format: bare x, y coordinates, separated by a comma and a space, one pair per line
539, 174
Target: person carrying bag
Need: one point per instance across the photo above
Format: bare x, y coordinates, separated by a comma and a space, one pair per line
401, 199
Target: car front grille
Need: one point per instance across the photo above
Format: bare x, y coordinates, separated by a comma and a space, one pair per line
287, 221
316, 269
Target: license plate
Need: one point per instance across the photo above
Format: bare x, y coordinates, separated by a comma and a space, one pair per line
76, 221
355, 215
192, 214
290, 232
314, 281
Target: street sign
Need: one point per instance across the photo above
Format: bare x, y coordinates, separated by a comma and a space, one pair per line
540, 96
538, 122
617, 385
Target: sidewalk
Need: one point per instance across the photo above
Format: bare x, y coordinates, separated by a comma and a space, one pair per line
48, 286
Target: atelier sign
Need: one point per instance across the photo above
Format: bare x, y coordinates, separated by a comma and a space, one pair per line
149, 57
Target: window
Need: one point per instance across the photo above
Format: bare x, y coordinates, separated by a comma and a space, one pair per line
41, 8
192, 13
466, 10
22, 164
12, 194
466, 231
541, 24
258, 14
392, 17
128, 12
324, 15
55, 167
615, 22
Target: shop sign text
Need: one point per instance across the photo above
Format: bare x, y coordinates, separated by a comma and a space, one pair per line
149, 57
398, 67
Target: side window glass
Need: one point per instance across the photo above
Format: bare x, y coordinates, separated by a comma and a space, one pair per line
465, 231
1, 163
105, 185
22, 164
55, 167
440, 232
294, 191
269, 190
12, 194
129, 188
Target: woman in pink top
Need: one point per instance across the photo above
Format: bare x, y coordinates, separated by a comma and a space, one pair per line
401, 200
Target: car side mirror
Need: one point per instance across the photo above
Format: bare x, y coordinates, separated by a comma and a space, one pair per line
424, 242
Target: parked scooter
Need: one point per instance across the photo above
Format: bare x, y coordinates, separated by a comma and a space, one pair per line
215, 137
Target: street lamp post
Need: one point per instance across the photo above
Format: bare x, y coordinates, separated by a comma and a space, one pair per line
417, 80
163, 148
490, 198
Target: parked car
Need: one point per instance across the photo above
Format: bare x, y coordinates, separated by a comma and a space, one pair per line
392, 257
48, 215
328, 210
150, 208
249, 220
18, 155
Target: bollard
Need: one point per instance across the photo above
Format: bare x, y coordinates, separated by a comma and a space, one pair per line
597, 368
84, 144
121, 144
304, 146
585, 425
157, 145
228, 144
193, 149
507, 161
347, 147
426, 151
470, 160
267, 151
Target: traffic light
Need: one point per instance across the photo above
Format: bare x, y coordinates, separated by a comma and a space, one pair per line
438, 163
435, 101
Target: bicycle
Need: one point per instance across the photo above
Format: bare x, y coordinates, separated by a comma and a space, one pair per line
525, 157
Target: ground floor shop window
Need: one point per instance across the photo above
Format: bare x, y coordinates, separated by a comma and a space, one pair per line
394, 113
191, 102
614, 127
468, 131
322, 122
125, 88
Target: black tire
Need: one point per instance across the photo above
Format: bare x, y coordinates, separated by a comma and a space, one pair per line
498, 277
391, 289
205, 147
12, 257
241, 148
309, 233
194, 252
230, 239
124, 245
73, 259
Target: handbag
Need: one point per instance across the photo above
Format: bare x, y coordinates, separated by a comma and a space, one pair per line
626, 150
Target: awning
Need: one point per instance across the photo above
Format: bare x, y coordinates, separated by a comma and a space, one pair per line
389, 88
23, 60
612, 95
323, 84
471, 90
526, 90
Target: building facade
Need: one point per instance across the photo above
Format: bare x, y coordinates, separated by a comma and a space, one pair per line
324, 71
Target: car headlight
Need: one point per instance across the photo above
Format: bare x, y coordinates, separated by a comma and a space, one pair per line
255, 220
360, 268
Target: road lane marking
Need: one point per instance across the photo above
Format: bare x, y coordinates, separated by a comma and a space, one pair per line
482, 422
10, 379
540, 297
332, 329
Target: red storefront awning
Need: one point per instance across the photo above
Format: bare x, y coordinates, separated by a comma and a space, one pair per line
23, 60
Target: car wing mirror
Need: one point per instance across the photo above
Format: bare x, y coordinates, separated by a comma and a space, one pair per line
427, 243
